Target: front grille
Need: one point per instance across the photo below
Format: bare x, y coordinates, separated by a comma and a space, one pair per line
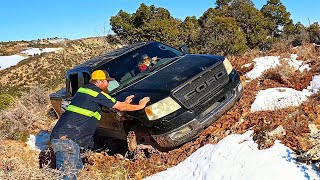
202, 87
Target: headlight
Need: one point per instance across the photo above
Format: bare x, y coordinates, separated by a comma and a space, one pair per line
227, 65
161, 108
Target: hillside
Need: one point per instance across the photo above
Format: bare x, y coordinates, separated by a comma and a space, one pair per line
296, 126
47, 68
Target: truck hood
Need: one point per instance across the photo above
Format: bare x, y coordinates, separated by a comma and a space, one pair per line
160, 83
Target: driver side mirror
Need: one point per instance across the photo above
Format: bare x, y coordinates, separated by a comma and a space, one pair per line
184, 49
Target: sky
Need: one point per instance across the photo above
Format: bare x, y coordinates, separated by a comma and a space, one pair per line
73, 19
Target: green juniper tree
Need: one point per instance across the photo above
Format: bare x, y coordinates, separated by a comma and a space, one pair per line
147, 23
221, 35
314, 33
281, 23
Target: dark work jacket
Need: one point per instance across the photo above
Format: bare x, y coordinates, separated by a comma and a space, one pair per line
78, 127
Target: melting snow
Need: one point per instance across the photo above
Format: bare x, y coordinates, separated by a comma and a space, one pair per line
296, 64
40, 141
264, 63
56, 40
246, 65
38, 51
237, 157
315, 84
278, 98
7, 61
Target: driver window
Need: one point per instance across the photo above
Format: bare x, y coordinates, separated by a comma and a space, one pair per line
113, 85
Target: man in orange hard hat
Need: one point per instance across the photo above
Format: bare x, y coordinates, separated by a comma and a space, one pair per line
78, 123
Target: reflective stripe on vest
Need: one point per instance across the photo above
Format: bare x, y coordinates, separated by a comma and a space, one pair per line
88, 91
84, 112
108, 96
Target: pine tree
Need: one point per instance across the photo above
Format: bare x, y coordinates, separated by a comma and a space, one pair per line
190, 31
248, 18
147, 23
276, 12
301, 35
251, 20
222, 35
314, 32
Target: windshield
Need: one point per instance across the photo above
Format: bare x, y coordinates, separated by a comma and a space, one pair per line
138, 63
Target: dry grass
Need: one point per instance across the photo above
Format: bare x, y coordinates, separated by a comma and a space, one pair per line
17, 161
306, 52
100, 168
49, 68
239, 61
27, 115
286, 76
281, 47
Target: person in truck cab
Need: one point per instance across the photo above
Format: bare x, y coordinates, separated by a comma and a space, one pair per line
76, 127
146, 62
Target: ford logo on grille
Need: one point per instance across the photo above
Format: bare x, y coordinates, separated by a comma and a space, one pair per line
204, 85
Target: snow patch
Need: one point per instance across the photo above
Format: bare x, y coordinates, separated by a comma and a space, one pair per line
238, 157
278, 98
38, 51
262, 64
54, 41
246, 65
314, 84
7, 61
296, 64
39, 142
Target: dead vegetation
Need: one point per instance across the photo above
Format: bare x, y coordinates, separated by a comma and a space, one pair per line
49, 68
26, 115
18, 161
287, 76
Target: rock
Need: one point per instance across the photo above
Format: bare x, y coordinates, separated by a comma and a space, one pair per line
278, 132
311, 155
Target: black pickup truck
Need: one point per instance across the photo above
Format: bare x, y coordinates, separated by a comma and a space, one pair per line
188, 92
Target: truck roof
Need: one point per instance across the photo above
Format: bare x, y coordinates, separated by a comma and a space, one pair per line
99, 60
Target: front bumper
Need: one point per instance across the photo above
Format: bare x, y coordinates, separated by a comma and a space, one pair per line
188, 131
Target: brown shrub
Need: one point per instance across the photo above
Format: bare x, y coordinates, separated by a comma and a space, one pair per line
287, 76
306, 52
16, 121
36, 97
26, 116
239, 61
19, 162
281, 47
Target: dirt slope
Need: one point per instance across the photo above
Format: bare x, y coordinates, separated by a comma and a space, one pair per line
50, 68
